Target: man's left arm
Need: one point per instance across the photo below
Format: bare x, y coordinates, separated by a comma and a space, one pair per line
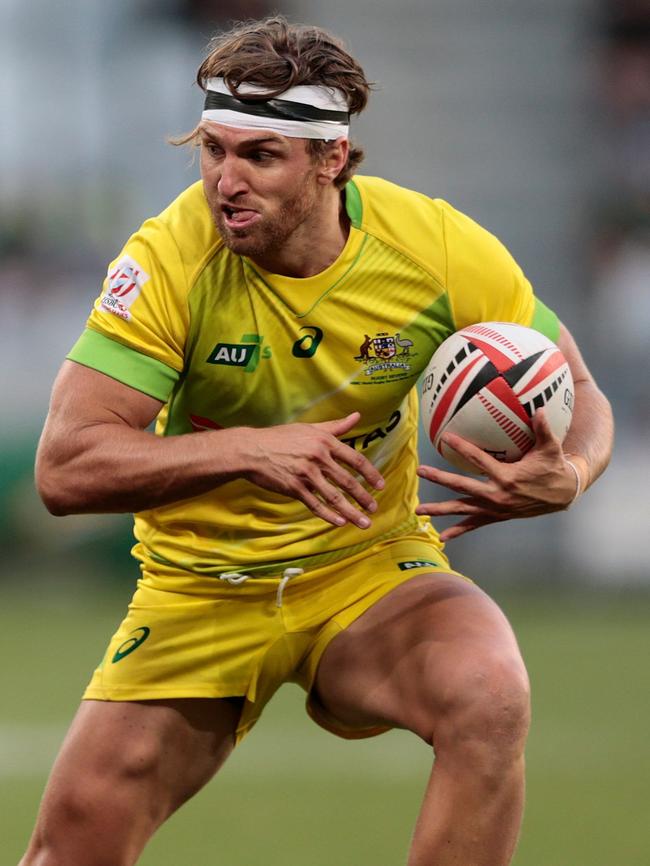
544, 480
590, 439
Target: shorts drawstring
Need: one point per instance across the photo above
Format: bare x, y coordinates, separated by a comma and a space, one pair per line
235, 578
287, 574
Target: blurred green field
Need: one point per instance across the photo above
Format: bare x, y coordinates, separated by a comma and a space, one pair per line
294, 795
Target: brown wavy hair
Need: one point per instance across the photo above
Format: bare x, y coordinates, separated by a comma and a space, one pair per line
277, 55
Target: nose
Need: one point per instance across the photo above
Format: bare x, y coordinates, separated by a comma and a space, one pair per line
232, 181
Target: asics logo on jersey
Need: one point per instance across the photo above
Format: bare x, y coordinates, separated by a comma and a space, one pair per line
246, 353
139, 636
306, 346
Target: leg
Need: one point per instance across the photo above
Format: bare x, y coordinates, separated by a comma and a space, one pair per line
122, 770
437, 656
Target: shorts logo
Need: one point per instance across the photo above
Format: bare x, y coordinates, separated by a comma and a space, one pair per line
417, 563
125, 281
386, 357
130, 644
245, 354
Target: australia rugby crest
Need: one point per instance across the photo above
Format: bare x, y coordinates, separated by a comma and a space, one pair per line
386, 357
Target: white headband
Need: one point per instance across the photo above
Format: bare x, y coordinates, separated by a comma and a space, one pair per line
306, 111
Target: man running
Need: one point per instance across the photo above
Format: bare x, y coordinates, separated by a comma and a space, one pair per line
278, 530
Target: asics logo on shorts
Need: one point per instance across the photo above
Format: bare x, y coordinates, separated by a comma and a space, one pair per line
139, 637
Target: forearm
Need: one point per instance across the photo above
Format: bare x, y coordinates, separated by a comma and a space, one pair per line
95, 455
590, 439
114, 468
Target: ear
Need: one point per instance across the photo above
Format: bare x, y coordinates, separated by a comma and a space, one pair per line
333, 161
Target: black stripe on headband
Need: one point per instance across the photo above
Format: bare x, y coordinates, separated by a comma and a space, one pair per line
280, 109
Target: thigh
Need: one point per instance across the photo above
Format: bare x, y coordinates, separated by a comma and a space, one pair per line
431, 642
142, 758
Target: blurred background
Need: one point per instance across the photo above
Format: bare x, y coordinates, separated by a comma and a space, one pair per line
531, 116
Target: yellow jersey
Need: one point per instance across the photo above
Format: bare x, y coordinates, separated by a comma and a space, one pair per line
223, 343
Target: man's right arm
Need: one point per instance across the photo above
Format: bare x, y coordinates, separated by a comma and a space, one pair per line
96, 455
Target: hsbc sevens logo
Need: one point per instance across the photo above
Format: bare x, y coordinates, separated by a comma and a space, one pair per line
126, 276
245, 354
123, 281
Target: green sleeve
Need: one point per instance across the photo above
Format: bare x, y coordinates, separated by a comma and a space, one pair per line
124, 364
545, 321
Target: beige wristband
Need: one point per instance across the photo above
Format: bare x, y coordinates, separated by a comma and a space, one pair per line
578, 481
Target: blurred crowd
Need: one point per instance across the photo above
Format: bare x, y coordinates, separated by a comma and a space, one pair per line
621, 292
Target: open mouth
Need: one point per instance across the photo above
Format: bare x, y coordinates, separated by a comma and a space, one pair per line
238, 217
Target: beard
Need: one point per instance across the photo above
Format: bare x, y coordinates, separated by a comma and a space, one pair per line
272, 231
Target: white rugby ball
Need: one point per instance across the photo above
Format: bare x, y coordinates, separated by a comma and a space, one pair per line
486, 381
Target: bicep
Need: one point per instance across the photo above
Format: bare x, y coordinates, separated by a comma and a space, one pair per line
83, 397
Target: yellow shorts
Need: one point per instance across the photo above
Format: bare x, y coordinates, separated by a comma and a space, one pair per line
189, 636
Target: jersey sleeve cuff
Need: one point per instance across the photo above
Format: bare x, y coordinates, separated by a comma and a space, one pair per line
124, 364
545, 321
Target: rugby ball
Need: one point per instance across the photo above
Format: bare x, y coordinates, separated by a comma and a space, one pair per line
485, 383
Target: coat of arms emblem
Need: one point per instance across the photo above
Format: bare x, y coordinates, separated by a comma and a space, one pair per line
384, 346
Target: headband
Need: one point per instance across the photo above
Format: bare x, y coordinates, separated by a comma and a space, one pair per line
306, 111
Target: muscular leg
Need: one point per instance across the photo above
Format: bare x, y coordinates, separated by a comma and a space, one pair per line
122, 770
437, 656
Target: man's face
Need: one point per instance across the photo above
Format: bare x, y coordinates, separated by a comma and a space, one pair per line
260, 186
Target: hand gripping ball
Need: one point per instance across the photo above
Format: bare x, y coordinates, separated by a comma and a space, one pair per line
485, 383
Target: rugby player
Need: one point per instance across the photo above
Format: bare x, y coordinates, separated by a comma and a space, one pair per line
274, 320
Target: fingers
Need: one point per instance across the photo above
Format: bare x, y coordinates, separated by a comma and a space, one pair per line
351, 457
450, 506
346, 453
361, 465
484, 462
309, 462
468, 525
336, 503
332, 481
454, 481
329, 490
544, 436
349, 485
335, 517
340, 425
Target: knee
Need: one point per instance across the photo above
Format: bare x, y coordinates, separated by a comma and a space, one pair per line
486, 710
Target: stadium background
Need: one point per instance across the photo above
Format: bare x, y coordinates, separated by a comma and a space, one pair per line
533, 117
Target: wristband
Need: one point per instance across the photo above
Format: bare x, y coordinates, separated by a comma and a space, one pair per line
578, 481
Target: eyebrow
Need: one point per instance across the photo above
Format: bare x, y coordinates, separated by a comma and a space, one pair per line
273, 139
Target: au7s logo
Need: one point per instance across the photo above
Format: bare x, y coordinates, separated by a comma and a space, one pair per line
245, 354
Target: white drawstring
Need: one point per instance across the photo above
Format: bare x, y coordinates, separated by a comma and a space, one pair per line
287, 574
235, 578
